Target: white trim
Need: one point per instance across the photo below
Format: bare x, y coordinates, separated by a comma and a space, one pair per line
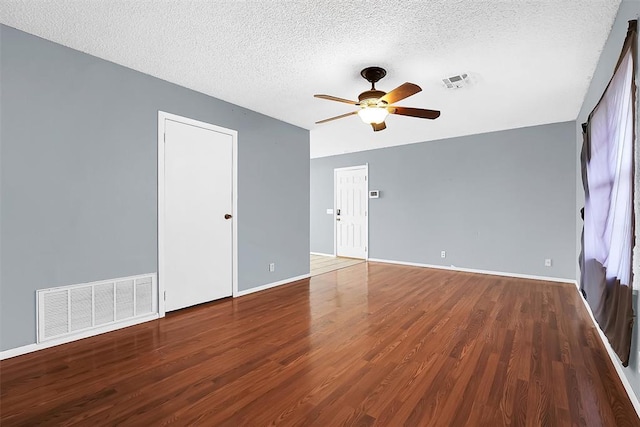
335, 184
322, 254
30, 348
613, 357
473, 270
366, 248
335, 230
272, 285
160, 207
234, 206
162, 117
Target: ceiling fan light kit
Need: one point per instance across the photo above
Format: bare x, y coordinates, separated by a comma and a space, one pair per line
371, 115
375, 105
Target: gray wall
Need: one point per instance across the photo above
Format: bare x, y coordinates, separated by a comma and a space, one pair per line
501, 201
78, 177
628, 10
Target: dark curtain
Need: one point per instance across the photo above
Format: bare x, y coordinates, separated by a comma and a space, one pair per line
607, 176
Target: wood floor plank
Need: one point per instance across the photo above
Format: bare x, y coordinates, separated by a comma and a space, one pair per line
369, 344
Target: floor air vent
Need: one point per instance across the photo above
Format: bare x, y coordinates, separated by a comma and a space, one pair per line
72, 309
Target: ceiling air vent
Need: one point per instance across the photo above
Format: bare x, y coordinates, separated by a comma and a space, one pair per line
455, 82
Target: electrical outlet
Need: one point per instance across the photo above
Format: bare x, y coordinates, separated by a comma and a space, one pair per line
443, 254
547, 262
272, 267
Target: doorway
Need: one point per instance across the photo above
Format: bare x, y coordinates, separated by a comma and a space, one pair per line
351, 206
320, 264
197, 202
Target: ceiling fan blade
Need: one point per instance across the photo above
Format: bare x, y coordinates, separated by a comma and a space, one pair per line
337, 117
414, 112
378, 126
335, 98
401, 92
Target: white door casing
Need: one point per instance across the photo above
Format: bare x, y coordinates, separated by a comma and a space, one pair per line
351, 206
197, 245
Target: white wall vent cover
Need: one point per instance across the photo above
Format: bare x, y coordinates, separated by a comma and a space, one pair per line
68, 310
455, 82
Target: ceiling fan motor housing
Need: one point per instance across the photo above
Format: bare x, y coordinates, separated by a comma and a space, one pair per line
372, 75
373, 95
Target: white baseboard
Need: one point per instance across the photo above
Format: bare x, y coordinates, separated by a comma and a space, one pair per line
322, 254
30, 348
473, 270
271, 285
614, 358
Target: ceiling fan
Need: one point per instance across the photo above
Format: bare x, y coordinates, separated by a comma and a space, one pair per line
375, 104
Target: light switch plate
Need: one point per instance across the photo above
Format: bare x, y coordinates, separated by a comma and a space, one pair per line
329, 211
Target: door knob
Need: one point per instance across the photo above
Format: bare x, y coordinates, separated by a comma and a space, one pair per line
227, 216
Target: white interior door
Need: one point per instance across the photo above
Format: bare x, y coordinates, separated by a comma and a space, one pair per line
351, 197
198, 192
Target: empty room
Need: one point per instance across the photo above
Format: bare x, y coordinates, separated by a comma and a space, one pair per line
297, 213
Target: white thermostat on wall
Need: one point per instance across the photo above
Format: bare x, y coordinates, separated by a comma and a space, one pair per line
374, 194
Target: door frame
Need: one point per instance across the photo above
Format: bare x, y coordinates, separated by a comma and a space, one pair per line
162, 117
366, 228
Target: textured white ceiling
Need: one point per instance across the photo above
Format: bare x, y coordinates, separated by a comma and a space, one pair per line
530, 61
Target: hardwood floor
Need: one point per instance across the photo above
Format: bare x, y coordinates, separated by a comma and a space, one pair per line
371, 344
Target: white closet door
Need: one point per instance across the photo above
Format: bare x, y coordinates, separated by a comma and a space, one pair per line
198, 193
